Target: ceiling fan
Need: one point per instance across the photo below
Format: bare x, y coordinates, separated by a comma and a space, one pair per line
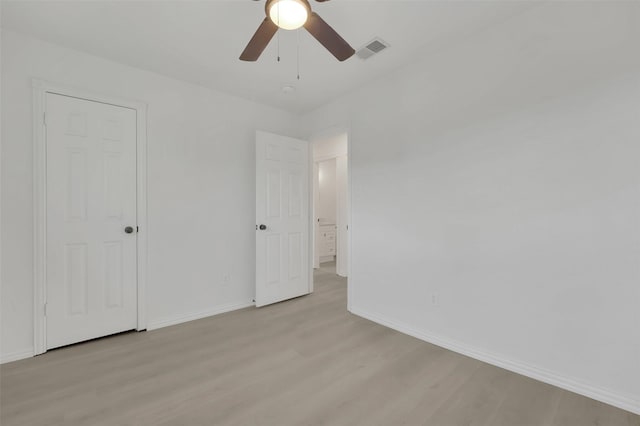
291, 15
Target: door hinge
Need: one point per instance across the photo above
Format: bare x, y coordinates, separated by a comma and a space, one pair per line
44, 118
45, 309
137, 229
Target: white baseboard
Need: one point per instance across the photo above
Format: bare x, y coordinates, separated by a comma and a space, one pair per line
191, 316
151, 325
16, 356
608, 397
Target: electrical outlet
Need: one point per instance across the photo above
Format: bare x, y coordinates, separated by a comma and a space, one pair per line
225, 279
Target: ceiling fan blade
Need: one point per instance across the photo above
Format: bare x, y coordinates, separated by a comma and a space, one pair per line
328, 37
259, 41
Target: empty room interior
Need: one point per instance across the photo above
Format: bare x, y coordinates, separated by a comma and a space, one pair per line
312, 212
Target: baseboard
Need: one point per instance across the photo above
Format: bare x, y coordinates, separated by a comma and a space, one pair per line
192, 316
16, 356
608, 397
151, 325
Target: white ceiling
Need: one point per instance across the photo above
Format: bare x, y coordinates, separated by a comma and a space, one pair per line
200, 41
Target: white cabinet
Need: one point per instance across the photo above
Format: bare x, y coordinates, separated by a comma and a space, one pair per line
327, 243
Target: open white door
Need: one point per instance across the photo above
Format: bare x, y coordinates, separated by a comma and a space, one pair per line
282, 218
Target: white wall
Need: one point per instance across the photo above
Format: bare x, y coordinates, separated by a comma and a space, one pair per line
502, 177
326, 209
1, 201
201, 178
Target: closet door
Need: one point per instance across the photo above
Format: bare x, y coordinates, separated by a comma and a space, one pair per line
91, 264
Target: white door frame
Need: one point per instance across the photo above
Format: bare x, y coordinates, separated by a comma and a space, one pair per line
333, 130
40, 89
312, 229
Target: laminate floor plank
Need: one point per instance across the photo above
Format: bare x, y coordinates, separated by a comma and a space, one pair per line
574, 409
529, 402
301, 362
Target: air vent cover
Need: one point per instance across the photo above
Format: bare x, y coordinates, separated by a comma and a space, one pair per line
373, 47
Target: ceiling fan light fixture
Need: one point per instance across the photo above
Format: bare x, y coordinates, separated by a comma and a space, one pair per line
289, 14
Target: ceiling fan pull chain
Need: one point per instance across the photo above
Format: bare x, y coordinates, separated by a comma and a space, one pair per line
278, 34
298, 52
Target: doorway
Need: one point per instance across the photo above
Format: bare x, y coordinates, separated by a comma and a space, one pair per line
331, 202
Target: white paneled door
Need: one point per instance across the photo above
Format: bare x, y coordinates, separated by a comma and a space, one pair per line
91, 285
282, 218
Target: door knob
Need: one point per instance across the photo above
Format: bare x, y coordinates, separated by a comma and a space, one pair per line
128, 229
263, 227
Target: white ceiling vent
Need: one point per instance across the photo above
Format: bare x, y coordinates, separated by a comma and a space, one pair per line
374, 46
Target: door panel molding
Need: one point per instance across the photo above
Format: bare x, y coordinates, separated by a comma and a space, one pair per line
39, 90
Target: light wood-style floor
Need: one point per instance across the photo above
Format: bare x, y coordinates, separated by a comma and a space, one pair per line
302, 362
